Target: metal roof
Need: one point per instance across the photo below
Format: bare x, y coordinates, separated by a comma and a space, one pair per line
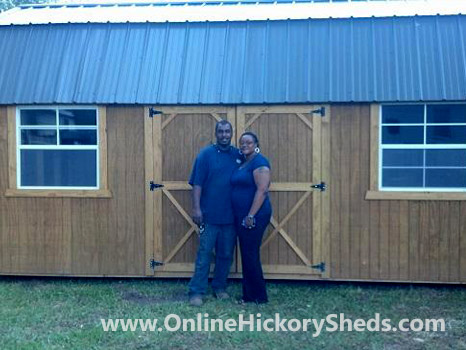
230, 10
251, 62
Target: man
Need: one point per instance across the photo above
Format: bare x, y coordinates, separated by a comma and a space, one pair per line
212, 212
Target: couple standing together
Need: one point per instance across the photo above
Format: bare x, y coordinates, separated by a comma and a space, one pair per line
230, 199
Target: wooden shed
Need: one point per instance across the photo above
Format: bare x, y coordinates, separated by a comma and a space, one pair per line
358, 105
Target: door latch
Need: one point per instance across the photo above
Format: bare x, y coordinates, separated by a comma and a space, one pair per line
322, 186
153, 186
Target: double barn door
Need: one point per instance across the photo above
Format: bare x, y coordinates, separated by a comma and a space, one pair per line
293, 138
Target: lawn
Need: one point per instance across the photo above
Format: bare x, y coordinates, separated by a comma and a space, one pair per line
54, 313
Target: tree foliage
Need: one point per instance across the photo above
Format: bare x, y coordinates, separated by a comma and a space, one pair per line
8, 4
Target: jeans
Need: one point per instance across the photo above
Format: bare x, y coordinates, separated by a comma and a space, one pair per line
223, 239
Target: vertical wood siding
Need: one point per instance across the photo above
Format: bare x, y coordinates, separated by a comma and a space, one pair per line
405, 240
386, 240
81, 236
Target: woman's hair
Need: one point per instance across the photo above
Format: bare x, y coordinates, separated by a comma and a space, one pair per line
254, 137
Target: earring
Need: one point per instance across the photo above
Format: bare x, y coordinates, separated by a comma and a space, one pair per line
240, 153
257, 150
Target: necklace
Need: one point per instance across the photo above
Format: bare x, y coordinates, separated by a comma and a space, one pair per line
222, 150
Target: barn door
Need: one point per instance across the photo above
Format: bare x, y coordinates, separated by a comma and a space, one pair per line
173, 137
294, 139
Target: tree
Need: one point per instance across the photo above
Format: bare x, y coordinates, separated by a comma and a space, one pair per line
8, 4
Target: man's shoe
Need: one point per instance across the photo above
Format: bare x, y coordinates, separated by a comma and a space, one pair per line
195, 300
222, 295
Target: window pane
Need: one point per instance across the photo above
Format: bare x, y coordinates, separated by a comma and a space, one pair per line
38, 117
402, 177
59, 168
454, 113
38, 137
446, 157
446, 134
446, 178
78, 137
78, 117
403, 157
403, 114
402, 135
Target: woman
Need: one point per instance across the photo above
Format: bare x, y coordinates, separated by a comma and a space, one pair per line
252, 210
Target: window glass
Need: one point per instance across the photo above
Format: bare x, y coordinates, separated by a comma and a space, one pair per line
446, 113
446, 157
446, 178
78, 137
39, 137
402, 177
58, 148
403, 157
67, 168
80, 117
430, 154
38, 117
402, 135
403, 114
451, 134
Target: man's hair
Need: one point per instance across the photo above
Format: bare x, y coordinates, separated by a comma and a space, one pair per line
223, 122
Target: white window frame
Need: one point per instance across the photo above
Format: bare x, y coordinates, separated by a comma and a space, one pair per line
423, 146
101, 189
58, 147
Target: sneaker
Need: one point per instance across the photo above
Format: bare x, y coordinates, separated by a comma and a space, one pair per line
195, 300
222, 295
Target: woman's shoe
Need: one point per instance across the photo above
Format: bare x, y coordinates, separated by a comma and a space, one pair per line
241, 301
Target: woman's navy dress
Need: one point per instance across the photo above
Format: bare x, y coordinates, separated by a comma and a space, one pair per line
243, 192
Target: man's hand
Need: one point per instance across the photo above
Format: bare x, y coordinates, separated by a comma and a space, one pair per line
197, 217
197, 212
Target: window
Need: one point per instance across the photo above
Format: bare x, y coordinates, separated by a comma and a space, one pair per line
58, 150
423, 147
418, 148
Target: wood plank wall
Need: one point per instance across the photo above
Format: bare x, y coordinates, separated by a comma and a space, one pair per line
386, 240
75, 236
369, 240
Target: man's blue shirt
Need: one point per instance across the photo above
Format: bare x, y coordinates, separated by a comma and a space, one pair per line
212, 171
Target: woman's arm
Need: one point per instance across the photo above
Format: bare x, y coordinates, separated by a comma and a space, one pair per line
262, 180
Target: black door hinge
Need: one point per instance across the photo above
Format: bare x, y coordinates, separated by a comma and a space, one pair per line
320, 111
320, 266
153, 112
153, 263
153, 186
322, 186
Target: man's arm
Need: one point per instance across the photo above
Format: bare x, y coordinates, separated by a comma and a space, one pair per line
196, 197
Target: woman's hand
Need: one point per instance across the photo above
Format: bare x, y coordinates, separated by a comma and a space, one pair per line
249, 222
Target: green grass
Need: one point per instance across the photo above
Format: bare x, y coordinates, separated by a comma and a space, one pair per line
37, 313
